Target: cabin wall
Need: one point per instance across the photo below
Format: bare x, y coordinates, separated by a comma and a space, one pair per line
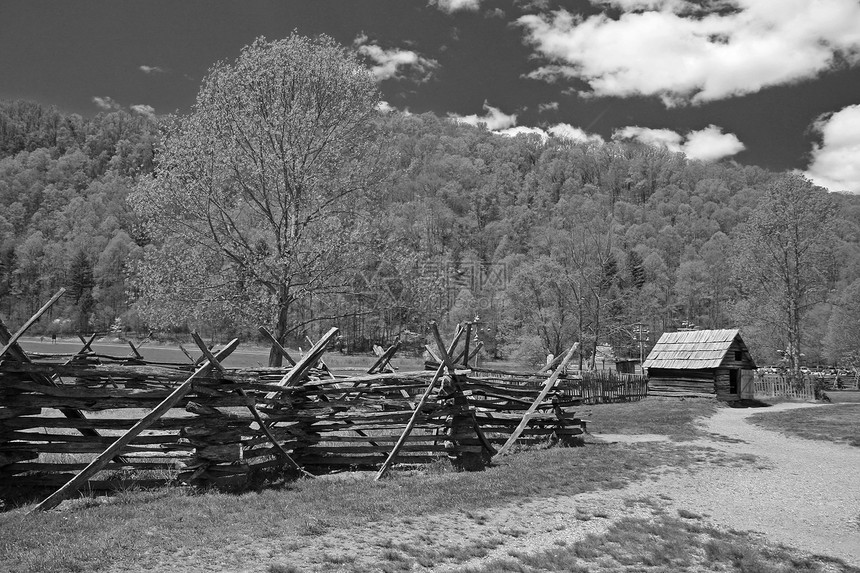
738, 356
745, 385
666, 382
722, 382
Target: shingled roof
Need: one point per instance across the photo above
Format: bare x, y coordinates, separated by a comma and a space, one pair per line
693, 349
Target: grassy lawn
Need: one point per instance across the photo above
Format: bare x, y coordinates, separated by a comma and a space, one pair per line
832, 423
670, 416
134, 527
665, 544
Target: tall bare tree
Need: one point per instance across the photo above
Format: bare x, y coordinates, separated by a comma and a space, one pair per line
783, 261
255, 193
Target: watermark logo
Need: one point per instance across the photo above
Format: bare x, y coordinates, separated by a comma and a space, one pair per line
438, 284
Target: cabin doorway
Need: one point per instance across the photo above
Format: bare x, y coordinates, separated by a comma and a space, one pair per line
734, 379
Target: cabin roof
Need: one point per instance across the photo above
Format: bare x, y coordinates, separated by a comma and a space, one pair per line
693, 349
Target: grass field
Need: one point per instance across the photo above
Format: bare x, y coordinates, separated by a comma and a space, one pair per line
141, 529
664, 544
832, 423
670, 416
89, 535
137, 529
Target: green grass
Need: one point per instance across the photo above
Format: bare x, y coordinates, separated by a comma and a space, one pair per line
832, 423
670, 416
664, 544
144, 527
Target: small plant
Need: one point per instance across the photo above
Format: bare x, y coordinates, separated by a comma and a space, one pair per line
314, 527
283, 568
478, 518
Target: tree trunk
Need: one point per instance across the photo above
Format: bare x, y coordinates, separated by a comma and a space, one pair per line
275, 356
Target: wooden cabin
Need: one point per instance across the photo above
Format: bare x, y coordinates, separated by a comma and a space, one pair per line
701, 363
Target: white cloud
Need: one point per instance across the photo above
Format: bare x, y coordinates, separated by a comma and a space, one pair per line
151, 69
560, 130
395, 63
667, 138
633, 5
143, 109
684, 52
495, 119
568, 131
451, 6
106, 103
708, 144
553, 105
523, 130
711, 144
836, 161
385, 107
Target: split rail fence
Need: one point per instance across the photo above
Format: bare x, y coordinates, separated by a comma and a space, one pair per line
99, 421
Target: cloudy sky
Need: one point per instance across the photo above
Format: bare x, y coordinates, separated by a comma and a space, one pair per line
774, 83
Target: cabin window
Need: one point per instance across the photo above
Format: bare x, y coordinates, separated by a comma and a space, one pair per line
739, 355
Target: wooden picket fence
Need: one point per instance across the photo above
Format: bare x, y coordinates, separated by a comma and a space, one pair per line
778, 386
585, 387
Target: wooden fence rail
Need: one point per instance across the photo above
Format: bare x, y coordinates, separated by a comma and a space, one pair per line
230, 424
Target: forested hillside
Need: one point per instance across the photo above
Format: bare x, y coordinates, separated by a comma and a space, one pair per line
544, 242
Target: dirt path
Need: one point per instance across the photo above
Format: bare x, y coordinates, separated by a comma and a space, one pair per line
801, 493
807, 496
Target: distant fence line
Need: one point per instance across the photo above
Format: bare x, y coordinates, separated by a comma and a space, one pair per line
587, 387
779, 386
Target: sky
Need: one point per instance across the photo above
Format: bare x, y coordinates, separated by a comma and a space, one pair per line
774, 83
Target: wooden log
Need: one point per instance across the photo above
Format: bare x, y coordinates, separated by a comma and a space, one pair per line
418, 408
277, 345
466, 347
449, 362
86, 347
11, 457
92, 371
382, 362
15, 352
72, 485
546, 389
7, 412
85, 392
344, 449
12, 341
92, 423
134, 350
90, 447
20, 467
35, 437
309, 360
262, 425
97, 404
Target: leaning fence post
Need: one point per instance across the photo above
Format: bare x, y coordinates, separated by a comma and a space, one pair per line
550, 382
418, 407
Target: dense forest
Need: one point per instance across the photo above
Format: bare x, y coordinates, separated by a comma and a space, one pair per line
542, 242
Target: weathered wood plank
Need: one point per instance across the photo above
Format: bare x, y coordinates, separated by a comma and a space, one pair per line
418, 408
13, 340
546, 389
72, 485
